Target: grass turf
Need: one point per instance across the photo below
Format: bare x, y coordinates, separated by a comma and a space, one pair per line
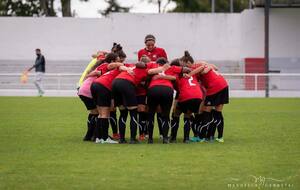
41, 147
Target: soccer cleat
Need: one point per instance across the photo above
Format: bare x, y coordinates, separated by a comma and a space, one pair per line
150, 141
122, 141
187, 141
116, 136
202, 140
110, 141
220, 140
195, 139
146, 136
99, 141
134, 141
141, 137
165, 141
161, 137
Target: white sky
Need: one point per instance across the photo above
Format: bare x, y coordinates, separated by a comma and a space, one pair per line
90, 9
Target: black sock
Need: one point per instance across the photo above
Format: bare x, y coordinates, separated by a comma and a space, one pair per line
210, 127
91, 124
213, 124
104, 122
159, 123
98, 129
193, 126
198, 122
150, 124
220, 124
205, 124
133, 123
122, 123
113, 122
165, 126
187, 127
174, 127
142, 122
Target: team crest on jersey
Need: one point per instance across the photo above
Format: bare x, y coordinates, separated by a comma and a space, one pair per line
208, 103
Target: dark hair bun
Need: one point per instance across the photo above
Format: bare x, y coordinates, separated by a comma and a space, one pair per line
186, 53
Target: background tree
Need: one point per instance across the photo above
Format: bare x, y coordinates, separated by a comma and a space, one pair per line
66, 8
47, 7
113, 6
20, 8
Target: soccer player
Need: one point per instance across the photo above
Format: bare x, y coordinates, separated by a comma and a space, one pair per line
85, 95
189, 99
101, 92
141, 92
151, 50
124, 94
153, 53
160, 93
216, 96
97, 59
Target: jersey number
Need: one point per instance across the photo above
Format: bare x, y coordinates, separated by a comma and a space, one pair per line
191, 82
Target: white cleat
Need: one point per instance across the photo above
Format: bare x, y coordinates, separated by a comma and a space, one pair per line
99, 141
110, 141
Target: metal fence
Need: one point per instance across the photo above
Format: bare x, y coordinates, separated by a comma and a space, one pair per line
240, 84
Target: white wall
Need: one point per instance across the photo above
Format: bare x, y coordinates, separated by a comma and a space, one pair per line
208, 36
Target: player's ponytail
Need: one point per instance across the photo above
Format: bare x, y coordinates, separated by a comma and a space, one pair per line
187, 57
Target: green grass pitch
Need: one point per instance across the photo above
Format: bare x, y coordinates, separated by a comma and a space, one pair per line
41, 147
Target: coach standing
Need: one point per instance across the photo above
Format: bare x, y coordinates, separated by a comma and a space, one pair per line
39, 70
150, 50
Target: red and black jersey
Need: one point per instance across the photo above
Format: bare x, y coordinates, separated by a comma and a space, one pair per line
213, 82
154, 54
107, 78
140, 74
173, 71
141, 90
189, 88
103, 68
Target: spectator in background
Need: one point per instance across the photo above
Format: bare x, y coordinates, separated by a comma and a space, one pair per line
151, 50
39, 70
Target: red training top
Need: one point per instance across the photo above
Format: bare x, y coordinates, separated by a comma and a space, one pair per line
189, 88
213, 81
173, 71
140, 74
154, 54
107, 78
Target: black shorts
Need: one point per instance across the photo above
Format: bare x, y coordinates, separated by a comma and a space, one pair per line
221, 97
124, 93
141, 99
101, 95
189, 105
88, 102
160, 96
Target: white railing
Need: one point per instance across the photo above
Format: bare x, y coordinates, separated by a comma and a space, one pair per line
241, 84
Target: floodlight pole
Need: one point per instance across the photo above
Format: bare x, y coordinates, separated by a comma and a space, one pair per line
267, 14
231, 6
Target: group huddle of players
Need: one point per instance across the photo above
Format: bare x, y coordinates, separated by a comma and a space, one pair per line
152, 86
